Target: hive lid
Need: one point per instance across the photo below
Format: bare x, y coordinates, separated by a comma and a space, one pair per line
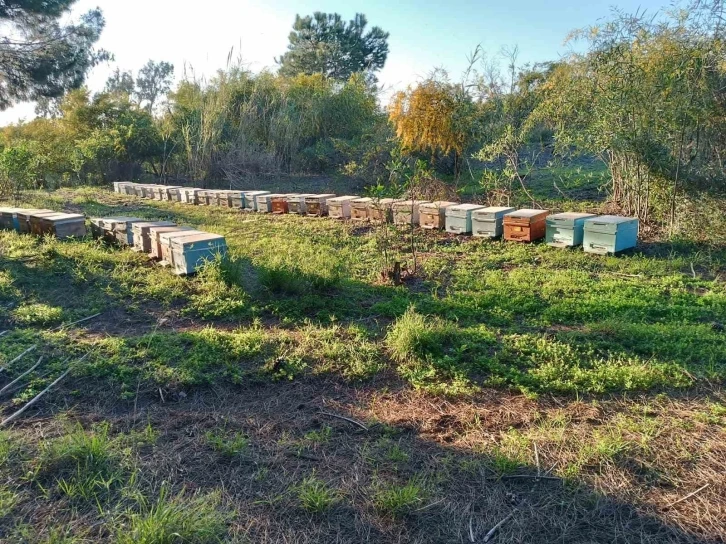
321, 196
270, 195
173, 234
161, 230
526, 215
492, 213
437, 205
203, 238
364, 200
255, 193
302, 195
64, 217
149, 224
11, 210
610, 223
23, 211
568, 219
44, 214
346, 198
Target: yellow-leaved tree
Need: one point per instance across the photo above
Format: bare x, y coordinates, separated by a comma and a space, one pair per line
435, 117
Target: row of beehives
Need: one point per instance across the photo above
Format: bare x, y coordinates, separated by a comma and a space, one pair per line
597, 234
184, 249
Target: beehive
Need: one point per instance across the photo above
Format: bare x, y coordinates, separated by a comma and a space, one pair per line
223, 199
129, 188
566, 229
140, 191
339, 207
168, 192
213, 197
189, 195
280, 204
23, 217
155, 232
264, 202
190, 253
360, 209
432, 215
489, 222
610, 234
165, 239
525, 225
122, 229
141, 232
236, 199
251, 199
9, 219
102, 227
158, 192
175, 194
317, 205
36, 226
296, 203
458, 218
381, 210
63, 225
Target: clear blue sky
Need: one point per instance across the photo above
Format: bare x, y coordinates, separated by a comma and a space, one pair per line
423, 35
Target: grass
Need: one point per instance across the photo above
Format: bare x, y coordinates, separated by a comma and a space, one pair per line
196, 519
610, 368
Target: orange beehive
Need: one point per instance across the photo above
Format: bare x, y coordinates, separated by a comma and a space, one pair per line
280, 203
525, 225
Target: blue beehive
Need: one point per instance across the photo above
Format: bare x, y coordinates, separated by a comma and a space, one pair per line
610, 234
566, 229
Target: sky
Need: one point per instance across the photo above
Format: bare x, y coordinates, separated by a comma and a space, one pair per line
199, 36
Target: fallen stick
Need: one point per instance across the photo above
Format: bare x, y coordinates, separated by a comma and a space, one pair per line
31, 348
16, 380
524, 477
688, 496
3, 333
349, 420
494, 529
37, 397
61, 327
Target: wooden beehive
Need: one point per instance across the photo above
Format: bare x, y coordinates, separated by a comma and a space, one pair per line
610, 234
213, 198
223, 199
155, 232
236, 199
188, 195
122, 229
175, 194
23, 217
102, 228
381, 210
458, 218
142, 237
64, 225
251, 199
296, 203
279, 204
489, 222
9, 218
189, 253
339, 207
168, 191
360, 209
317, 205
566, 229
432, 215
36, 226
165, 239
525, 225
407, 212
140, 191
129, 188
264, 202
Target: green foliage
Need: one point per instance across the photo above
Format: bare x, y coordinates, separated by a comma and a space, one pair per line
195, 519
325, 44
396, 500
229, 445
84, 465
43, 57
315, 496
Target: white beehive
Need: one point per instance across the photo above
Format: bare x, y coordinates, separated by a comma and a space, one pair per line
339, 207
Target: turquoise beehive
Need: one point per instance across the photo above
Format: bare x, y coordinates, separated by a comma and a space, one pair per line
566, 229
610, 234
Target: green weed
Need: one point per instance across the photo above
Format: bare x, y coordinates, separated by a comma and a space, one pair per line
315, 496
396, 500
229, 445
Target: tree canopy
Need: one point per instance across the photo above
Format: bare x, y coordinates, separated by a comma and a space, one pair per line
39, 56
324, 43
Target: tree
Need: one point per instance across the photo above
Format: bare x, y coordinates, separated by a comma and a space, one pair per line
434, 117
40, 56
152, 82
324, 43
120, 82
